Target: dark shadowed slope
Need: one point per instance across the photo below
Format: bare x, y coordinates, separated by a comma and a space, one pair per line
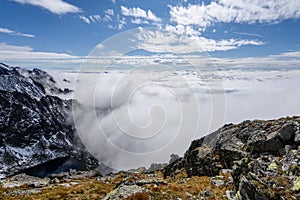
35, 127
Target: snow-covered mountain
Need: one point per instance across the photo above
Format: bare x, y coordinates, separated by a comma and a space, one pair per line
35, 126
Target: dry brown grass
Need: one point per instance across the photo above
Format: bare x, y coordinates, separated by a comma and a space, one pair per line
139, 196
86, 189
182, 187
179, 186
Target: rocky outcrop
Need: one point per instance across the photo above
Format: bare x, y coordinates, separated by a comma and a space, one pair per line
264, 157
35, 127
237, 162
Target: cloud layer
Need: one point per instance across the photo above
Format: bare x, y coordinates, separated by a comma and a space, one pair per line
236, 11
175, 42
26, 53
139, 13
58, 7
16, 33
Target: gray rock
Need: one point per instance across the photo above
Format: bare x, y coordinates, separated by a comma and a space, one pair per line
156, 167
287, 132
123, 192
297, 135
262, 156
229, 194
248, 191
23, 179
217, 181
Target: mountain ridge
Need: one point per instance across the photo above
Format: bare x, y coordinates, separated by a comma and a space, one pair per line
35, 126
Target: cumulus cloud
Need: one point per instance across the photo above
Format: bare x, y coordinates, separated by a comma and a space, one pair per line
85, 19
237, 11
110, 12
107, 18
58, 7
139, 13
139, 21
181, 29
158, 41
120, 22
95, 18
90, 19
16, 33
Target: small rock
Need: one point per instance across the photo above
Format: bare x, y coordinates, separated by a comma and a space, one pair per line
296, 184
230, 194
207, 192
217, 181
273, 166
286, 132
123, 192
297, 136
55, 181
156, 166
23, 179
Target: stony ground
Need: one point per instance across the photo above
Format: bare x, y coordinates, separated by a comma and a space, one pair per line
253, 160
123, 185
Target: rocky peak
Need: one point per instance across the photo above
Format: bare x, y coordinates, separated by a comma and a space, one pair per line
258, 153
35, 127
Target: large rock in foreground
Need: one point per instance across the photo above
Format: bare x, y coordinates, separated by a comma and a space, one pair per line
264, 157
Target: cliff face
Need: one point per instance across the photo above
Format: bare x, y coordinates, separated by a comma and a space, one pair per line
263, 157
35, 127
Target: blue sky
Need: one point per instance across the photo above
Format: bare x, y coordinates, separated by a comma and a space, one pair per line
60, 33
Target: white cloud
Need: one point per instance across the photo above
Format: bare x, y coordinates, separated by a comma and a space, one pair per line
181, 29
158, 41
110, 12
139, 21
291, 54
113, 1
58, 7
11, 32
237, 11
90, 19
13, 52
26, 56
139, 13
95, 18
107, 18
85, 19
152, 16
122, 23
248, 34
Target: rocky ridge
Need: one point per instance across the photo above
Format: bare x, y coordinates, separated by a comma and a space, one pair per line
263, 157
251, 160
35, 126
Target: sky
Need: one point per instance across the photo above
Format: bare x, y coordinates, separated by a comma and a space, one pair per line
59, 34
236, 34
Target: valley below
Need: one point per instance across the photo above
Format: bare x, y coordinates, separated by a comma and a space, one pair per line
44, 156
